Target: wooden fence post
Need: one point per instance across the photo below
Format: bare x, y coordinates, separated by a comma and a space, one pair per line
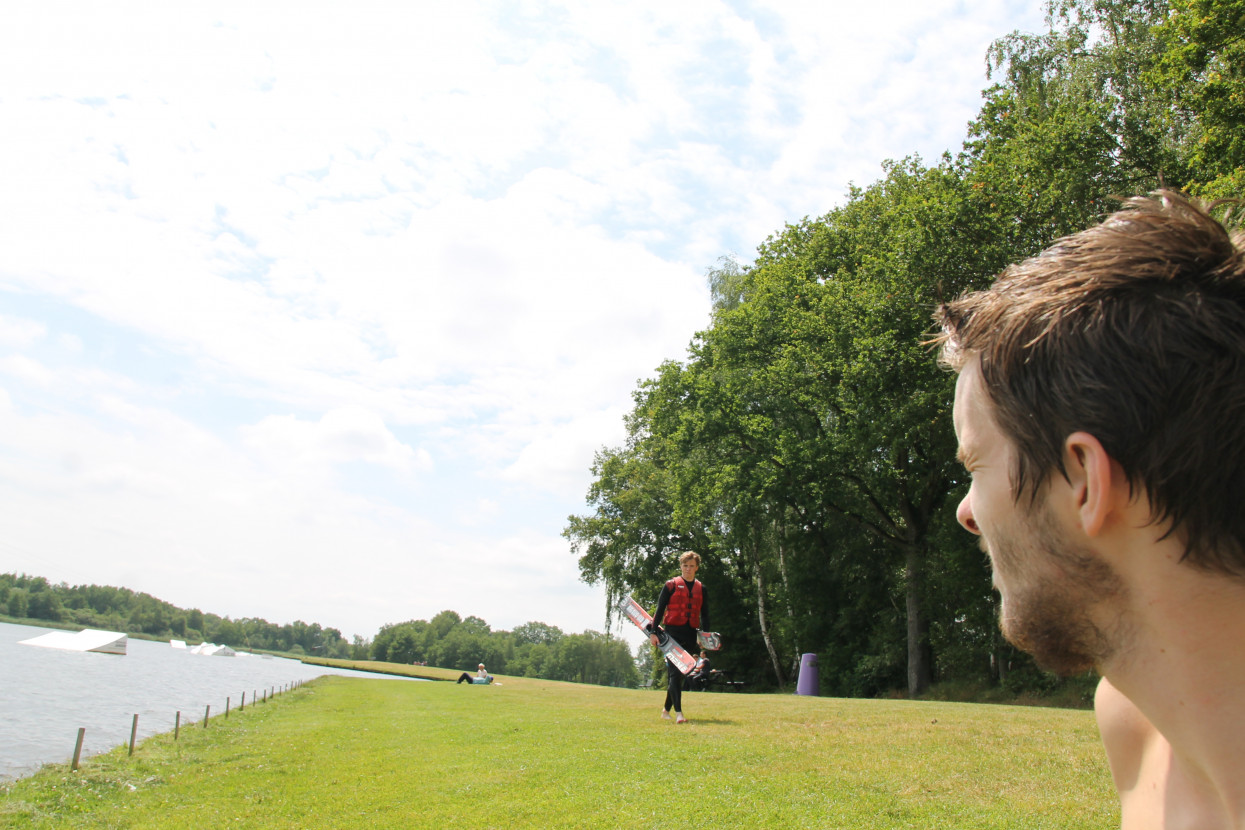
177, 726
133, 732
77, 749
206, 714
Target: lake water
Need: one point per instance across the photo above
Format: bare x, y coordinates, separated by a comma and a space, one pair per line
46, 694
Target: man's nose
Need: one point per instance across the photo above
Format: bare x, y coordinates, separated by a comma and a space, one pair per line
964, 514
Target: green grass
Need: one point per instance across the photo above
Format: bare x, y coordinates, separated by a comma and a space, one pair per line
341, 753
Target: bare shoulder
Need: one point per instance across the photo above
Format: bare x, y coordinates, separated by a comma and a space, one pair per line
1135, 753
1125, 731
1127, 735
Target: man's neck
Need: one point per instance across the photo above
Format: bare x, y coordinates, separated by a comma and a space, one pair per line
1183, 670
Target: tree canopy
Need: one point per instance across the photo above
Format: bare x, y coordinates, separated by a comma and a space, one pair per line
804, 447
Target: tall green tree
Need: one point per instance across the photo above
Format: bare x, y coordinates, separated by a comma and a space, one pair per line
1201, 67
805, 447
809, 425
833, 392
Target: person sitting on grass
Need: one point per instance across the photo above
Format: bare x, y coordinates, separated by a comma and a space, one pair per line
698, 680
482, 676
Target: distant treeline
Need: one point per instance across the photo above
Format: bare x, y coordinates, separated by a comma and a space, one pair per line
120, 609
533, 649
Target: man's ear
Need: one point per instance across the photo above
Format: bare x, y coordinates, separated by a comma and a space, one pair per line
1089, 472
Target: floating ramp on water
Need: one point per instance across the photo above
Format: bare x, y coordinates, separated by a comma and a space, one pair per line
89, 639
213, 650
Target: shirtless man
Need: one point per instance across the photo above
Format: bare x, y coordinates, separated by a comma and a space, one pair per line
1100, 410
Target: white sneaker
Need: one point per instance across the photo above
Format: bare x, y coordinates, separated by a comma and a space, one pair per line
679, 718
665, 714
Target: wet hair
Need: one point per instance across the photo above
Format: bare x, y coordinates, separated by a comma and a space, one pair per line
1132, 331
689, 555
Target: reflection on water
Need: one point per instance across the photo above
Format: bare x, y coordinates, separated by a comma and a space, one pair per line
46, 694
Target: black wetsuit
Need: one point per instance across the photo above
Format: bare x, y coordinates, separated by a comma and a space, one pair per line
684, 635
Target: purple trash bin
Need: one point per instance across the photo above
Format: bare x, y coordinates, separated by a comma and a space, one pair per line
808, 683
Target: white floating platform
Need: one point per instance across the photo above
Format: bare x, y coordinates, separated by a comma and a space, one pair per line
89, 639
178, 644
213, 650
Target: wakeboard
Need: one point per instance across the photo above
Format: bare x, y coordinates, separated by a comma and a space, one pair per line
709, 640
673, 652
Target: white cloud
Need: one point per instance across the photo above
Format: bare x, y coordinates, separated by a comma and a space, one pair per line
343, 435
26, 369
559, 460
305, 308
18, 333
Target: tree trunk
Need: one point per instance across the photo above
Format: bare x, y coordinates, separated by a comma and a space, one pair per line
769, 643
781, 534
920, 658
999, 653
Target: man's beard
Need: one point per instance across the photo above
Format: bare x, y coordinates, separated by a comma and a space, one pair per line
1052, 587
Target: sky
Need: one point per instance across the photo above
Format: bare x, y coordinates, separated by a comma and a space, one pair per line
319, 311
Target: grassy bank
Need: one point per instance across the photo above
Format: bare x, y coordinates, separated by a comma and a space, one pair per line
342, 752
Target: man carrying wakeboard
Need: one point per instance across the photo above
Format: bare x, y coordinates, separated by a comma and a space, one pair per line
684, 606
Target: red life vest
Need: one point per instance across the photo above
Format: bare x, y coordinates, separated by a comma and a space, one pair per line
681, 609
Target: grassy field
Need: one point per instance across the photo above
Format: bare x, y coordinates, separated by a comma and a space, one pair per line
341, 753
